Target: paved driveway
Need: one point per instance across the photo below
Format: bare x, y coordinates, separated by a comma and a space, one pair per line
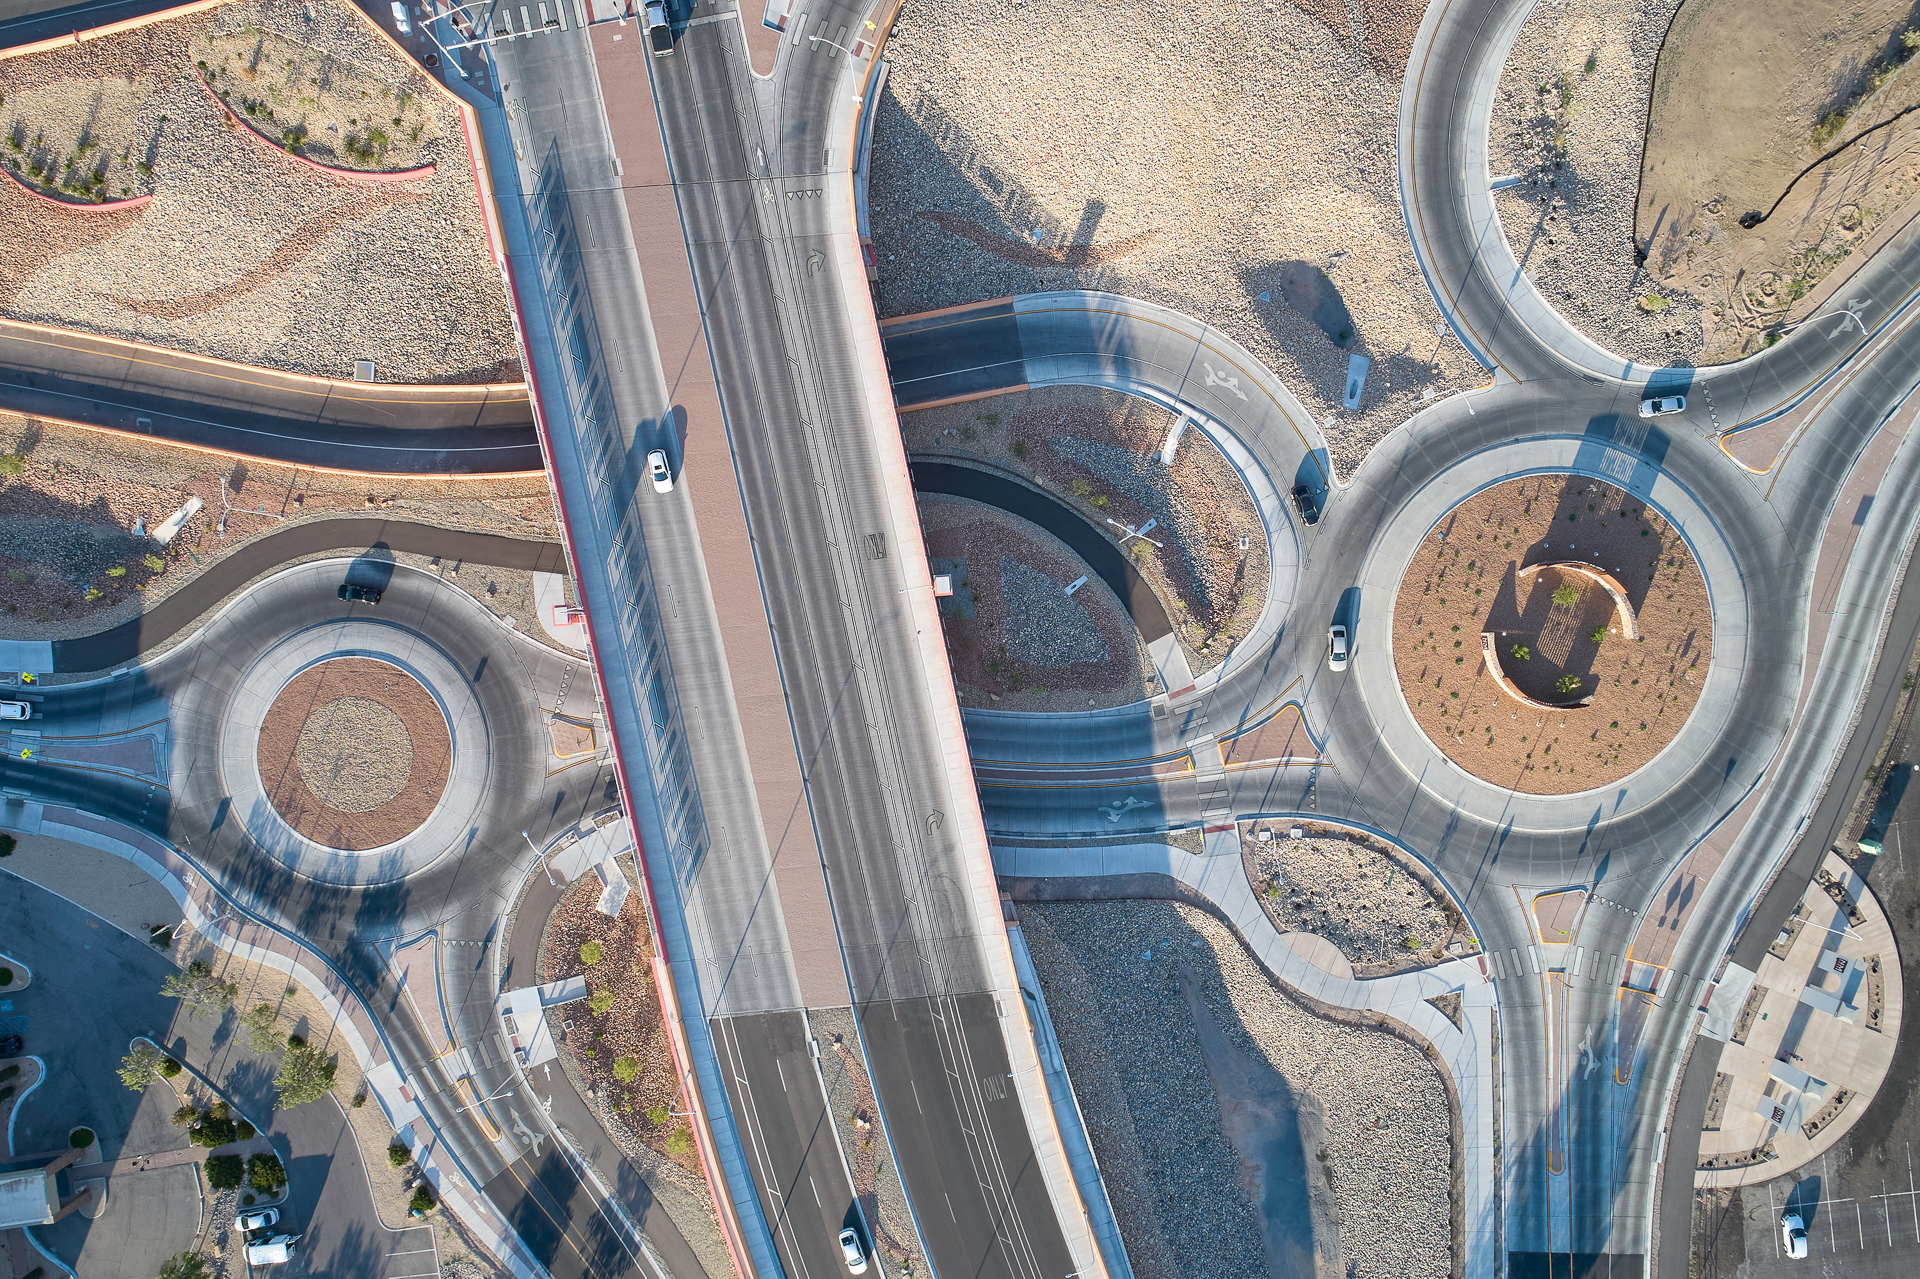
331, 1205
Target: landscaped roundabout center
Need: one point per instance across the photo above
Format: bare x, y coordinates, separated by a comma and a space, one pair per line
1552, 634
354, 753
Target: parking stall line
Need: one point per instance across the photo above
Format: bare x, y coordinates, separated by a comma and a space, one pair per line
1773, 1214
1886, 1210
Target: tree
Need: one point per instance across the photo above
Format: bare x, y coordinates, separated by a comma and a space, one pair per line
266, 1173
304, 1076
199, 991
422, 1201
225, 1172
141, 1066
259, 1023
1565, 596
184, 1265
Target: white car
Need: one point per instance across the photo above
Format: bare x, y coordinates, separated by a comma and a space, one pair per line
851, 1252
662, 474
275, 1251
400, 18
1795, 1232
1337, 647
16, 710
248, 1223
1662, 405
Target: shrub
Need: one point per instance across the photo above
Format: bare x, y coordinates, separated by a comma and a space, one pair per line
93, 593
243, 1131
1596, 635
1521, 653
626, 1069
1566, 595
154, 562
214, 1130
187, 1114
296, 1041
422, 1201
304, 1076
657, 1115
398, 1156
80, 1138
1567, 684
678, 1141
359, 1100
266, 1173
7, 845
600, 1001
591, 953
6, 976
6, 1092
184, 1265
9, 1072
12, 464
140, 1067
226, 1172
1099, 501
170, 1069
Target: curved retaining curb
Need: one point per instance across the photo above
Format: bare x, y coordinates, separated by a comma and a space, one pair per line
350, 175
108, 206
1490, 654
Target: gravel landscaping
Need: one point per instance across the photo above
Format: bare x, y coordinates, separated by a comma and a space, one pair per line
1553, 628
1571, 120
1374, 1111
1383, 911
1233, 162
1093, 449
71, 499
335, 782
243, 252
1015, 638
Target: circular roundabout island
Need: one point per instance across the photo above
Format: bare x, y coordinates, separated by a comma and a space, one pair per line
1552, 634
354, 753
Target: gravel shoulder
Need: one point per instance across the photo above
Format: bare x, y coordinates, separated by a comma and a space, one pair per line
1234, 162
1111, 972
243, 252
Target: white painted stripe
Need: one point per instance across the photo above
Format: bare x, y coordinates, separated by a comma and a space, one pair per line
1579, 957
799, 25
1533, 957
1493, 957
1516, 961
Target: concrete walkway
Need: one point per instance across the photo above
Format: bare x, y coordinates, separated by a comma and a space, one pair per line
1218, 874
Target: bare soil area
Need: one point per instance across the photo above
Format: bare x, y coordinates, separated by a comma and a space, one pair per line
1385, 913
70, 500
1745, 99
244, 253
1094, 449
339, 785
1112, 973
1015, 638
1463, 581
1233, 162
621, 1051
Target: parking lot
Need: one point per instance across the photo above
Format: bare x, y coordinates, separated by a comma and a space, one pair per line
1866, 1226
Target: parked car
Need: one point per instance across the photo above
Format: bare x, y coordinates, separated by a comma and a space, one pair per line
359, 594
1305, 503
257, 1226
1337, 647
16, 710
851, 1252
1794, 1231
275, 1251
662, 474
400, 19
12, 1046
1663, 404
659, 30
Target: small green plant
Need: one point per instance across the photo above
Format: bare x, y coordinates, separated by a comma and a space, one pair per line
398, 1156
1596, 635
626, 1069
1565, 595
1567, 685
267, 1174
422, 1201
154, 562
1410, 942
678, 1141
600, 1001
1654, 303
183, 1265
187, 1114
226, 1172
591, 953
657, 1115
1099, 501
12, 464
10, 1072
1020, 448
93, 593
1593, 63
1521, 653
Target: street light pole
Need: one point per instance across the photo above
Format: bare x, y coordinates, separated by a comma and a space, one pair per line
504, 1092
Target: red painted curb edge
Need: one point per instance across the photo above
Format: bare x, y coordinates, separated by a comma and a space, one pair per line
110, 206
351, 175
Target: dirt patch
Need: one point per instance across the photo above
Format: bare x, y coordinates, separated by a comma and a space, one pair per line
621, 1050
1111, 972
71, 499
1383, 914
354, 753
1551, 628
1094, 450
1745, 99
243, 252
1074, 167
1015, 638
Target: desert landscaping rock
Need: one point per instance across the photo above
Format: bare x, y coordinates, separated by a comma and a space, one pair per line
1191, 157
284, 267
1463, 581
1052, 631
321, 761
1110, 971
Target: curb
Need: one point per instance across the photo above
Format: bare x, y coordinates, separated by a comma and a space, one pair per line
108, 206
350, 175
